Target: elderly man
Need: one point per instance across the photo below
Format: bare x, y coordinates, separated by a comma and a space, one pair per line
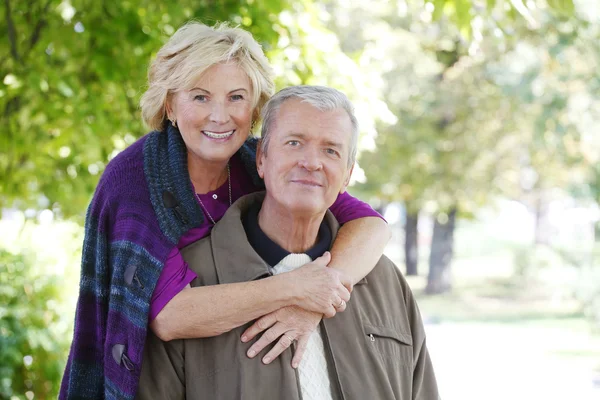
375, 349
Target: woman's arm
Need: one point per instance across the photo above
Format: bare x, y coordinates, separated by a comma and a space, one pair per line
360, 241
207, 311
359, 245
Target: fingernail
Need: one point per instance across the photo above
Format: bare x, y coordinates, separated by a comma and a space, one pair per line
251, 353
267, 360
244, 338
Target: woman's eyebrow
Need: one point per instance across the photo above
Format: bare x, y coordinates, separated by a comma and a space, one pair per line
199, 88
207, 92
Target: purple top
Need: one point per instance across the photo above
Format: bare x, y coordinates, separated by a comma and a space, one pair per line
176, 274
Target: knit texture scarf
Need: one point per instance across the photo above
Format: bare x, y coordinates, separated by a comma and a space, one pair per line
143, 204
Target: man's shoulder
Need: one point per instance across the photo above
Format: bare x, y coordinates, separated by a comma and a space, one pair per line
200, 248
387, 273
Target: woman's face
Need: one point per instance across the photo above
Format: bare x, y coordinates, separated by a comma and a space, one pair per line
214, 117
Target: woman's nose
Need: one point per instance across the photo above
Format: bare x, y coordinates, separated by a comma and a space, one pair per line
219, 113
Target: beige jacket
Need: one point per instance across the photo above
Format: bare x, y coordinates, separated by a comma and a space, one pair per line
376, 347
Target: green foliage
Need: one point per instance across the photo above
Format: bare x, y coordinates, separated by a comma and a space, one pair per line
32, 348
72, 73
462, 12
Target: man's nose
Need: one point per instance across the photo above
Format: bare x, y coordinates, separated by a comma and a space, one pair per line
311, 160
219, 113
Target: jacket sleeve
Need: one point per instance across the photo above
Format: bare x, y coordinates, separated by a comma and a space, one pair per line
424, 381
163, 373
84, 372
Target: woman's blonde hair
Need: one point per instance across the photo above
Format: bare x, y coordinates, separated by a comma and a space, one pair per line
193, 49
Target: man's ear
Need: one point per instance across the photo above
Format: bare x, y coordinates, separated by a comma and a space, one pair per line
259, 159
347, 180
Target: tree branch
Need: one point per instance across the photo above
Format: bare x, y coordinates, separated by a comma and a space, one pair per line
12, 35
35, 36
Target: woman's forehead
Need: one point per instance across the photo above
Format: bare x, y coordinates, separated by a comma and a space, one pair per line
223, 75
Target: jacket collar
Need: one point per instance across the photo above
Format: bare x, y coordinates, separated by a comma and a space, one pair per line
270, 251
235, 258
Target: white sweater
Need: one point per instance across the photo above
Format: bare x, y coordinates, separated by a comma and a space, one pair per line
312, 371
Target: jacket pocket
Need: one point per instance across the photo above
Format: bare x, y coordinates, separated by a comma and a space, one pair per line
390, 344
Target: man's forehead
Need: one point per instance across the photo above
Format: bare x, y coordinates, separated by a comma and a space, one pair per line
301, 118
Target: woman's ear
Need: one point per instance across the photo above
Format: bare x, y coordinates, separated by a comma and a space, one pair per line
169, 107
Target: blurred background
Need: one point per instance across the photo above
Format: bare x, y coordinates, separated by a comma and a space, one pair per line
480, 144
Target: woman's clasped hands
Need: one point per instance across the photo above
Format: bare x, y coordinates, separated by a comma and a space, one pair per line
319, 291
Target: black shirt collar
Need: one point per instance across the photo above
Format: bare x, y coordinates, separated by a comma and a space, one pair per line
270, 251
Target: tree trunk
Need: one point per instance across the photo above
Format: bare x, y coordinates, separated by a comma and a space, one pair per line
411, 245
542, 226
440, 258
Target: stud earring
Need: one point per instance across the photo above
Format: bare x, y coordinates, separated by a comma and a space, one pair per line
174, 122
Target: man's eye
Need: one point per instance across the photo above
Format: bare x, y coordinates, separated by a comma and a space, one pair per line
200, 97
293, 143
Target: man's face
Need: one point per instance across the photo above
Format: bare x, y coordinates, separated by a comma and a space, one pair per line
306, 165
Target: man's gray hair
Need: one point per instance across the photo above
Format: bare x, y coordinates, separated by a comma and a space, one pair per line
322, 98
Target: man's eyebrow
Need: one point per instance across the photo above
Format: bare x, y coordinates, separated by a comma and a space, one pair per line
333, 143
327, 142
295, 135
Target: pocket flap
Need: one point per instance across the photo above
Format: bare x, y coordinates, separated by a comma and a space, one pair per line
392, 333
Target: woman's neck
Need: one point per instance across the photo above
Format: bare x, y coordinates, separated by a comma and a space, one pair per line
206, 176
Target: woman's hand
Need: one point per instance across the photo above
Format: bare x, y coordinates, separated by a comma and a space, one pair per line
286, 324
319, 288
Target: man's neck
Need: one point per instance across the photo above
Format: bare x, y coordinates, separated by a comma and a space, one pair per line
293, 233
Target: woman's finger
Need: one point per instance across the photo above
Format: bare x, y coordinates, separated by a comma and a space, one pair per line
347, 282
330, 312
284, 342
268, 337
258, 326
343, 293
340, 306
323, 260
300, 348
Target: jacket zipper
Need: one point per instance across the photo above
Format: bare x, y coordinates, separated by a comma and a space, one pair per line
339, 385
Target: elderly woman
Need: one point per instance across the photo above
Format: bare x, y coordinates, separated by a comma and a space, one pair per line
167, 190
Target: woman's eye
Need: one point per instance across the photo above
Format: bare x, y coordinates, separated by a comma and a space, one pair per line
293, 143
331, 151
237, 97
200, 97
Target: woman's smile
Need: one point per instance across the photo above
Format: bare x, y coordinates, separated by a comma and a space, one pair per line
219, 135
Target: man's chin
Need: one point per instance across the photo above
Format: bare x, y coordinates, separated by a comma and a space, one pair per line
304, 208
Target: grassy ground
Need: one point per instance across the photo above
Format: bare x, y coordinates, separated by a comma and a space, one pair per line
500, 335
